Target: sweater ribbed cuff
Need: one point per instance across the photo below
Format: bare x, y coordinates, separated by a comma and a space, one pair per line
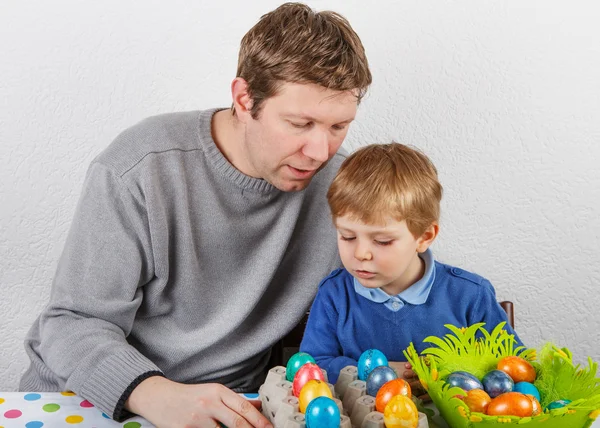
106, 385
121, 413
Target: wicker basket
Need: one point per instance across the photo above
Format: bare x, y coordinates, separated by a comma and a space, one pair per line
478, 351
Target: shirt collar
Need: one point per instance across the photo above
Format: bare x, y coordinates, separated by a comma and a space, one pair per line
416, 294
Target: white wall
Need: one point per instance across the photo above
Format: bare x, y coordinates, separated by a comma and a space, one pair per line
504, 96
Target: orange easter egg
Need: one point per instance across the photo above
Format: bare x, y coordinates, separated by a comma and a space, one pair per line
510, 404
519, 369
477, 400
390, 389
537, 408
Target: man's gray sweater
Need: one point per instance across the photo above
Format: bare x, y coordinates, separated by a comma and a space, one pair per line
177, 264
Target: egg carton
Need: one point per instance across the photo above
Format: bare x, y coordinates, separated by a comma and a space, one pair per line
357, 409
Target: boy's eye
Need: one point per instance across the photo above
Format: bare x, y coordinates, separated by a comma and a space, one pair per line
338, 127
347, 238
383, 242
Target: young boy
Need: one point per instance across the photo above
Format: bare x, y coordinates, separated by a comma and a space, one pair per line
385, 204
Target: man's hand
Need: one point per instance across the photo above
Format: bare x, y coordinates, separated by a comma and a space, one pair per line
405, 371
170, 404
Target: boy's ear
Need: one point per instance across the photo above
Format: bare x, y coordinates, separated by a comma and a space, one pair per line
241, 99
427, 237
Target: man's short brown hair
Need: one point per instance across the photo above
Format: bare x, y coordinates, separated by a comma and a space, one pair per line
387, 180
293, 43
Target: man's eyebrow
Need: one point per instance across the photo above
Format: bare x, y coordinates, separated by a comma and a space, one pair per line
299, 116
310, 118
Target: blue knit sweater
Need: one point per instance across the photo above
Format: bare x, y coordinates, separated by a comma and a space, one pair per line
343, 324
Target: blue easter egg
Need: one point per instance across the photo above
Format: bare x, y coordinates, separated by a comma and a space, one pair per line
464, 380
557, 404
497, 382
527, 388
368, 360
379, 376
322, 412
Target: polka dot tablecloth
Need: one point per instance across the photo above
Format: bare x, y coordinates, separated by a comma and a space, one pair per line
60, 409
55, 409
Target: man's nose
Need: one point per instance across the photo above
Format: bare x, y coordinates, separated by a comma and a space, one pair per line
317, 146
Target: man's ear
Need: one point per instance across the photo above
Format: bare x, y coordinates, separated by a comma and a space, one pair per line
242, 103
427, 237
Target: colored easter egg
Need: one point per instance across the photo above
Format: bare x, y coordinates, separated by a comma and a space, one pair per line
378, 377
322, 412
519, 369
497, 382
401, 412
464, 380
312, 389
477, 400
295, 362
511, 403
368, 360
527, 388
305, 373
537, 408
557, 404
391, 389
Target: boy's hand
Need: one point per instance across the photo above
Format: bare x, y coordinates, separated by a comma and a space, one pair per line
405, 371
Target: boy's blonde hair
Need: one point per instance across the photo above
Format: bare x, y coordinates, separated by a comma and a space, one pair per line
387, 180
293, 43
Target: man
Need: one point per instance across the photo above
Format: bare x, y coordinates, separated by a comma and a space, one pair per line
200, 237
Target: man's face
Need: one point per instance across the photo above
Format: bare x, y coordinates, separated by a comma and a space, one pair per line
297, 131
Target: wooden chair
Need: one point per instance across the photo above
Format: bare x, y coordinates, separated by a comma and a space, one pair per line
509, 308
290, 344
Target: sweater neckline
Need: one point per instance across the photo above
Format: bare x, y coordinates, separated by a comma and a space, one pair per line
220, 162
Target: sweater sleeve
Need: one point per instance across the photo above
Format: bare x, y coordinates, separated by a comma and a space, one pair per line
97, 291
488, 310
321, 339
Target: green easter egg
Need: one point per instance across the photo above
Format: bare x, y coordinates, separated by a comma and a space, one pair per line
295, 362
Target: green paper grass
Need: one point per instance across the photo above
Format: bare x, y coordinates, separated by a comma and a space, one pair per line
462, 349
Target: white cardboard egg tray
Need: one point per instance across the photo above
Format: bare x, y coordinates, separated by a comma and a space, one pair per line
357, 409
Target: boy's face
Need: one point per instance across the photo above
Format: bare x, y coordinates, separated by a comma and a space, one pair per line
383, 255
297, 131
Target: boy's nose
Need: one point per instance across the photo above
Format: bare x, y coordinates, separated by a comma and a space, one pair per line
363, 253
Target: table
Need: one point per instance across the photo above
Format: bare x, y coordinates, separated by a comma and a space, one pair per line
65, 409
60, 409
56, 409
